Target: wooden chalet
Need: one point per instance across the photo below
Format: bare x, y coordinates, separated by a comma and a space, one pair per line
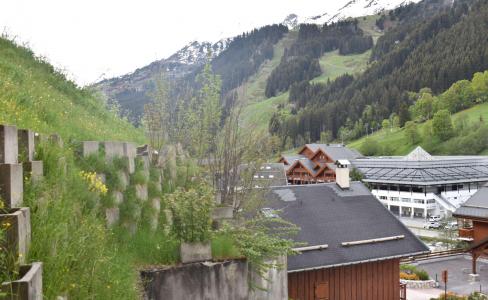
473, 225
314, 163
353, 244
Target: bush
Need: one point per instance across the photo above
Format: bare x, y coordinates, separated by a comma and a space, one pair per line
192, 210
410, 272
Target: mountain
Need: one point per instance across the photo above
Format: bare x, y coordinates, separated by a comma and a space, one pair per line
134, 86
441, 47
131, 90
351, 9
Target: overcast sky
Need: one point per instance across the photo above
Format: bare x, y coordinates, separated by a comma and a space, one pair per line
94, 38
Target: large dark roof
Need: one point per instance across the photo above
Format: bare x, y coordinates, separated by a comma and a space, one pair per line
420, 168
336, 151
476, 206
328, 215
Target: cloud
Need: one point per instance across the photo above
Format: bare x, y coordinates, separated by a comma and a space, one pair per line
113, 37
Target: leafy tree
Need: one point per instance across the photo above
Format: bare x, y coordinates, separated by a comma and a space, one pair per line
442, 125
411, 132
385, 124
326, 136
423, 108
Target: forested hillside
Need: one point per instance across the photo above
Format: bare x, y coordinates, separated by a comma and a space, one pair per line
444, 48
453, 122
300, 61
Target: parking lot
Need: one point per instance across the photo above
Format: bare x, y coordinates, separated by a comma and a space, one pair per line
458, 268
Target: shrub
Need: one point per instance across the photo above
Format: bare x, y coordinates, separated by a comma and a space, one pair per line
410, 272
407, 276
192, 213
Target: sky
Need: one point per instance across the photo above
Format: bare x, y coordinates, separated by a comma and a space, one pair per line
94, 39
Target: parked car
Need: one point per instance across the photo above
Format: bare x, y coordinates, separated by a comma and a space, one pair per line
452, 225
432, 225
434, 218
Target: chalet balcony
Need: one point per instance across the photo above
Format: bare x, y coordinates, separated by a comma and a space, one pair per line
466, 234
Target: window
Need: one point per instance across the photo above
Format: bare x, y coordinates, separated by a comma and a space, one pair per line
419, 201
406, 200
404, 188
394, 198
430, 201
383, 198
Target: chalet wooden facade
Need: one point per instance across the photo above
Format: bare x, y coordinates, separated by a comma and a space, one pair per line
314, 163
353, 245
377, 280
473, 225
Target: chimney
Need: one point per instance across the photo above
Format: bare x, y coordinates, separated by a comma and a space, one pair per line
342, 173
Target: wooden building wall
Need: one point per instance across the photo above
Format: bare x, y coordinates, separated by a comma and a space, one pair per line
480, 231
368, 281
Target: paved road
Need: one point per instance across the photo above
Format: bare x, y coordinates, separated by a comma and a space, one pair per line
458, 268
416, 226
424, 294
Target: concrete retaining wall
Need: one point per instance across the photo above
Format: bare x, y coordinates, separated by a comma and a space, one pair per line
28, 287
17, 222
9, 147
198, 281
11, 184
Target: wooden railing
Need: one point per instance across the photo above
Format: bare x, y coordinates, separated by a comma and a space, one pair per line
431, 255
466, 233
403, 291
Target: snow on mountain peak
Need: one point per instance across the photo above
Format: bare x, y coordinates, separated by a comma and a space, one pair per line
197, 52
350, 9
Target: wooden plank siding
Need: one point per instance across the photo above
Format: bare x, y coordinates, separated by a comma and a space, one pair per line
378, 280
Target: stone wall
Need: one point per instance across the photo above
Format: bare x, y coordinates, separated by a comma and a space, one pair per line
17, 151
419, 284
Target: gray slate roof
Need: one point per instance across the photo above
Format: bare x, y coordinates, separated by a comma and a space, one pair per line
328, 215
271, 174
336, 151
437, 170
476, 206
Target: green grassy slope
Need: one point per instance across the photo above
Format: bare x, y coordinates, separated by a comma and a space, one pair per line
333, 65
33, 95
400, 145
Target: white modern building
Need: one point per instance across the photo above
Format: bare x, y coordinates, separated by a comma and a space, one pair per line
421, 185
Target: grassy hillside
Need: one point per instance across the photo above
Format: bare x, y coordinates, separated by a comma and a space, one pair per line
398, 142
34, 95
333, 65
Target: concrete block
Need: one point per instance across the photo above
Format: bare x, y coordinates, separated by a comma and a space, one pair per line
473, 277
29, 286
195, 252
11, 184
169, 221
118, 197
224, 212
156, 204
34, 170
130, 226
56, 140
18, 228
9, 147
130, 150
112, 216
124, 179
89, 147
102, 177
141, 191
26, 145
131, 165
113, 149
